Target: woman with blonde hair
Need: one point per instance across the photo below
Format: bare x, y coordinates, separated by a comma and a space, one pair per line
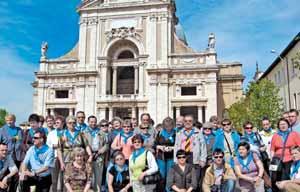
78, 174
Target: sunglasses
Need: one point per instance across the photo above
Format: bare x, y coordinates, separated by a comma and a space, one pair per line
143, 127
248, 127
104, 125
224, 124
36, 138
126, 126
219, 157
72, 122
181, 157
206, 128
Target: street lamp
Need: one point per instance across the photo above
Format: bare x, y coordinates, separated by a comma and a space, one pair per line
287, 72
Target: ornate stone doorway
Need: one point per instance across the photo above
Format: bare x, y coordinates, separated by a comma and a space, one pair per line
125, 81
123, 113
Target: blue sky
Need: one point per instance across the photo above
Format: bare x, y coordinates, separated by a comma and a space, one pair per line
245, 31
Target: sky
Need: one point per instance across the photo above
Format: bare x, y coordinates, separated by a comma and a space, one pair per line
245, 31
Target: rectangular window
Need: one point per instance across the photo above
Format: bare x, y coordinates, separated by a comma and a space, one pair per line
61, 94
188, 91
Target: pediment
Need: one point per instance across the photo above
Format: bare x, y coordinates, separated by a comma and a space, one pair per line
90, 4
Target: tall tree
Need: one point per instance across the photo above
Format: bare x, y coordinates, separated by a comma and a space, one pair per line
262, 100
3, 113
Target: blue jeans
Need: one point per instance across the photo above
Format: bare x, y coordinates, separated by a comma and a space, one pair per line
165, 166
228, 186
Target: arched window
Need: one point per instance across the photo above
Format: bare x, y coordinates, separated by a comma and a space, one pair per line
126, 55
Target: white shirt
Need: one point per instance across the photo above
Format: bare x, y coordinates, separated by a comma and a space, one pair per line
52, 139
266, 138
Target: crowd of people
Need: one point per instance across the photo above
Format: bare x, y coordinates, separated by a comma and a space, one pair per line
76, 154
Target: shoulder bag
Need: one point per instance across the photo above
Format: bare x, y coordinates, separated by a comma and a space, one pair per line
153, 178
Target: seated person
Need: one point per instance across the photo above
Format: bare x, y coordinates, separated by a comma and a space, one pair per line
36, 167
219, 175
293, 184
182, 176
7, 168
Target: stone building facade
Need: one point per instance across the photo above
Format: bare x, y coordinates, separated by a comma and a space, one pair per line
132, 57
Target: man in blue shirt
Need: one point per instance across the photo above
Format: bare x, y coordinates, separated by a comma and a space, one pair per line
293, 119
80, 124
36, 167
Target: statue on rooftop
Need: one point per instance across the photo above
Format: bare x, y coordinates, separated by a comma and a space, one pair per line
211, 41
44, 49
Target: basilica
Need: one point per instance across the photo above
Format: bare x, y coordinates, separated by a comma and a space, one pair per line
132, 57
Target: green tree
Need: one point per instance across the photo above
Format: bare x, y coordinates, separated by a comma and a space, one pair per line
3, 112
262, 100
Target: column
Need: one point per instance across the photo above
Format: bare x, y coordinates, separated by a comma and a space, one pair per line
204, 113
103, 79
70, 111
141, 79
200, 116
136, 81
114, 86
133, 112
52, 111
141, 111
110, 114
177, 112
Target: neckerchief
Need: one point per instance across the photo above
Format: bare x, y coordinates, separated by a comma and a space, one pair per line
146, 136
208, 138
283, 134
32, 131
190, 134
126, 137
168, 136
295, 168
59, 132
39, 151
249, 159
117, 131
70, 137
136, 153
268, 132
12, 131
119, 178
80, 127
250, 137
93, 132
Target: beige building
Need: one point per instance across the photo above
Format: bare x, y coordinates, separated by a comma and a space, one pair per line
285, 75
132, 57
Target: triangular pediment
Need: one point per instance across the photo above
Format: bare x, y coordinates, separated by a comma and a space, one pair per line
90, 4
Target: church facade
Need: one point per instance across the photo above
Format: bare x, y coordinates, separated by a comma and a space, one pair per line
132, 57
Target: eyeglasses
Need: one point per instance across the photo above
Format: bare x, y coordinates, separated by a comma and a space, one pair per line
219, 157
71, 122
36, 138
104, 125
119, 159
205, 128
224, 124
143, 127
126, 126
181, 157
248, 127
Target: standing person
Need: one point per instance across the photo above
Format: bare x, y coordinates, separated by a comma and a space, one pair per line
123, 141
182, 176
141, 163
71, 138
219, 175
118, 176
227, 140
36, 167
252, 138
179, 123
134, 123
78, 174
293, 184
249, 169
281, 144
34, 123
164, 142
266, 134
192, 141
216, 124
146, 121
80, 124
116, 129
148, 138
41, 124
50, 123
294, 121
97, 140
8, 169
53, 142
285, 115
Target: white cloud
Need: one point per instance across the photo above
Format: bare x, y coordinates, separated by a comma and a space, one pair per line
15, 77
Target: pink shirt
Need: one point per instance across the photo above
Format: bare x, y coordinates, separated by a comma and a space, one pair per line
277, 145
127, 148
